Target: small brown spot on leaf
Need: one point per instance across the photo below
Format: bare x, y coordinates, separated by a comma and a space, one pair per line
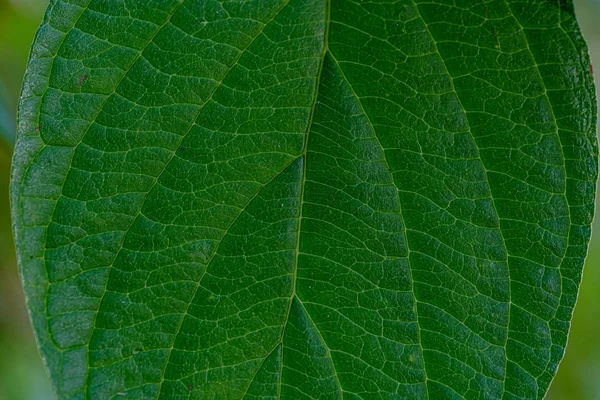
82, 79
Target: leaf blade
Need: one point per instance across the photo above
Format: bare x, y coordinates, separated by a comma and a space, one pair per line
444, 186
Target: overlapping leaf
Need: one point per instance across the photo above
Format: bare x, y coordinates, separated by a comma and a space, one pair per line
304, 199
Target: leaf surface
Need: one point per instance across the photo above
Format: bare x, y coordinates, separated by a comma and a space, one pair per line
304, 199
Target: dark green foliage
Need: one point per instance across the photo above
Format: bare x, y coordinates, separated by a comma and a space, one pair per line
304, 199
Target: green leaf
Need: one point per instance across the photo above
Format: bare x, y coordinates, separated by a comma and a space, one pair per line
304, 198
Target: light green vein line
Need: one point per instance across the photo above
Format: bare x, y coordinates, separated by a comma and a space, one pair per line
303, 185
43, 94
412, 291
208, 263
173, 12
170, 351
258, 369
126, 71
329, 355
43, 258
554, 121
564, 166
499, 227
141, 51
26, 171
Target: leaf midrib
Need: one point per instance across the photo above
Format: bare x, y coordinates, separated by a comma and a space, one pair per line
301, 205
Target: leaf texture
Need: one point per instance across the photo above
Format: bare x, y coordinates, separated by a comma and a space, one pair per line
304, 199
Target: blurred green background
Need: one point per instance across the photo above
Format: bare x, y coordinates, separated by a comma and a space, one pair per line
22, 376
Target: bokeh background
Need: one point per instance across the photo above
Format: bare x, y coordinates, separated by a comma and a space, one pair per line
22, 375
